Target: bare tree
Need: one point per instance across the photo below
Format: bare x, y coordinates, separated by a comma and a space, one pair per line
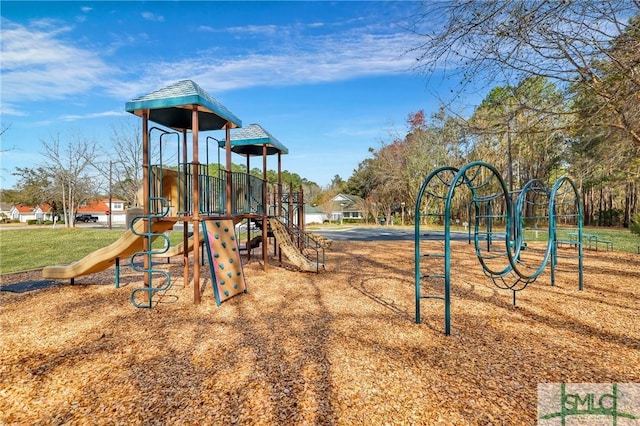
126, 167
364, 205
3, 130
327, 205
499, 42
68, 165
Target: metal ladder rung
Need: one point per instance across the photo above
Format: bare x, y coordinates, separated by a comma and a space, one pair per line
440, 276
431, 297
434, 255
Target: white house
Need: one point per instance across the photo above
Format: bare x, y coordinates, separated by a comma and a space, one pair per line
117, 211
346, 206
5, 211
24, 213
312, 215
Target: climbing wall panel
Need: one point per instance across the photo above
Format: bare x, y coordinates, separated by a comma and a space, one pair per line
227, 275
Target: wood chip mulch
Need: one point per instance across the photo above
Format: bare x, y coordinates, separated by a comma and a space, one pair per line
336, 348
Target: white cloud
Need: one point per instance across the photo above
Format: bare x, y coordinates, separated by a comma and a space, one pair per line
205, 29
150, 16
317, 60
37, 64
74, 117
255, 29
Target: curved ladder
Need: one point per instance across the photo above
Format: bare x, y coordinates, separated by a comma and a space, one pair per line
149, 254
436, 186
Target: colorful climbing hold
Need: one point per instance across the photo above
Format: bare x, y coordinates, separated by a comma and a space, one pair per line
230, 274
217, 223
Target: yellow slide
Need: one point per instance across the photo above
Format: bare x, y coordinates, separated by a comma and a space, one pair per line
105, 257
290, 250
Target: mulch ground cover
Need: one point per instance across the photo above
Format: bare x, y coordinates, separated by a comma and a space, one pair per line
335, 348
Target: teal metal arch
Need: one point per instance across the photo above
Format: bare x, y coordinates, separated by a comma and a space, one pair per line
487, 186
476, 180
565, 194
537, 188
436, 185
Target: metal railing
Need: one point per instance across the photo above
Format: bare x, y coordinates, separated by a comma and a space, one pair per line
304, 241
176, 185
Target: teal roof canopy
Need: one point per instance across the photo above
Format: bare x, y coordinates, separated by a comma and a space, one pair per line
250, 140
173, 105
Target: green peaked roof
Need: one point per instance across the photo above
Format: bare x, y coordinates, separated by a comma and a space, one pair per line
250, 140
173, 106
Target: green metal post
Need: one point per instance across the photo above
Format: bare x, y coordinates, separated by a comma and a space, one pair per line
117, 272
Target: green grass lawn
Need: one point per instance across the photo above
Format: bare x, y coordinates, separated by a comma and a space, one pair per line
622, 239
25, 249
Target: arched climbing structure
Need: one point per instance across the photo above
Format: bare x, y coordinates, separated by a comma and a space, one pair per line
499, 226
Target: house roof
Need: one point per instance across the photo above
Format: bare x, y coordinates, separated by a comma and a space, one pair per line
94, 206
23, 208
349, 201
250, 141
173, 106
311, 209
348, 198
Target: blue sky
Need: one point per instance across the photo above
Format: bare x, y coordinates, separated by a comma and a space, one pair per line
327, 79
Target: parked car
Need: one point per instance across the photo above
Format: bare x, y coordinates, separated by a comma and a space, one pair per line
86, 218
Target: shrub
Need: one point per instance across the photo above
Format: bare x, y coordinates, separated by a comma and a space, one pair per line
634, 226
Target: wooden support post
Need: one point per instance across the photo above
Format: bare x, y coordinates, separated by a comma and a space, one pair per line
185, 207
195, 217
249, 221
229, 175
146, 188
301, 210
279, 195
265, 231
290, 207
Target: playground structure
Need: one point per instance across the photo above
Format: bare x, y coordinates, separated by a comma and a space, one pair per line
177, 186
507, 229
